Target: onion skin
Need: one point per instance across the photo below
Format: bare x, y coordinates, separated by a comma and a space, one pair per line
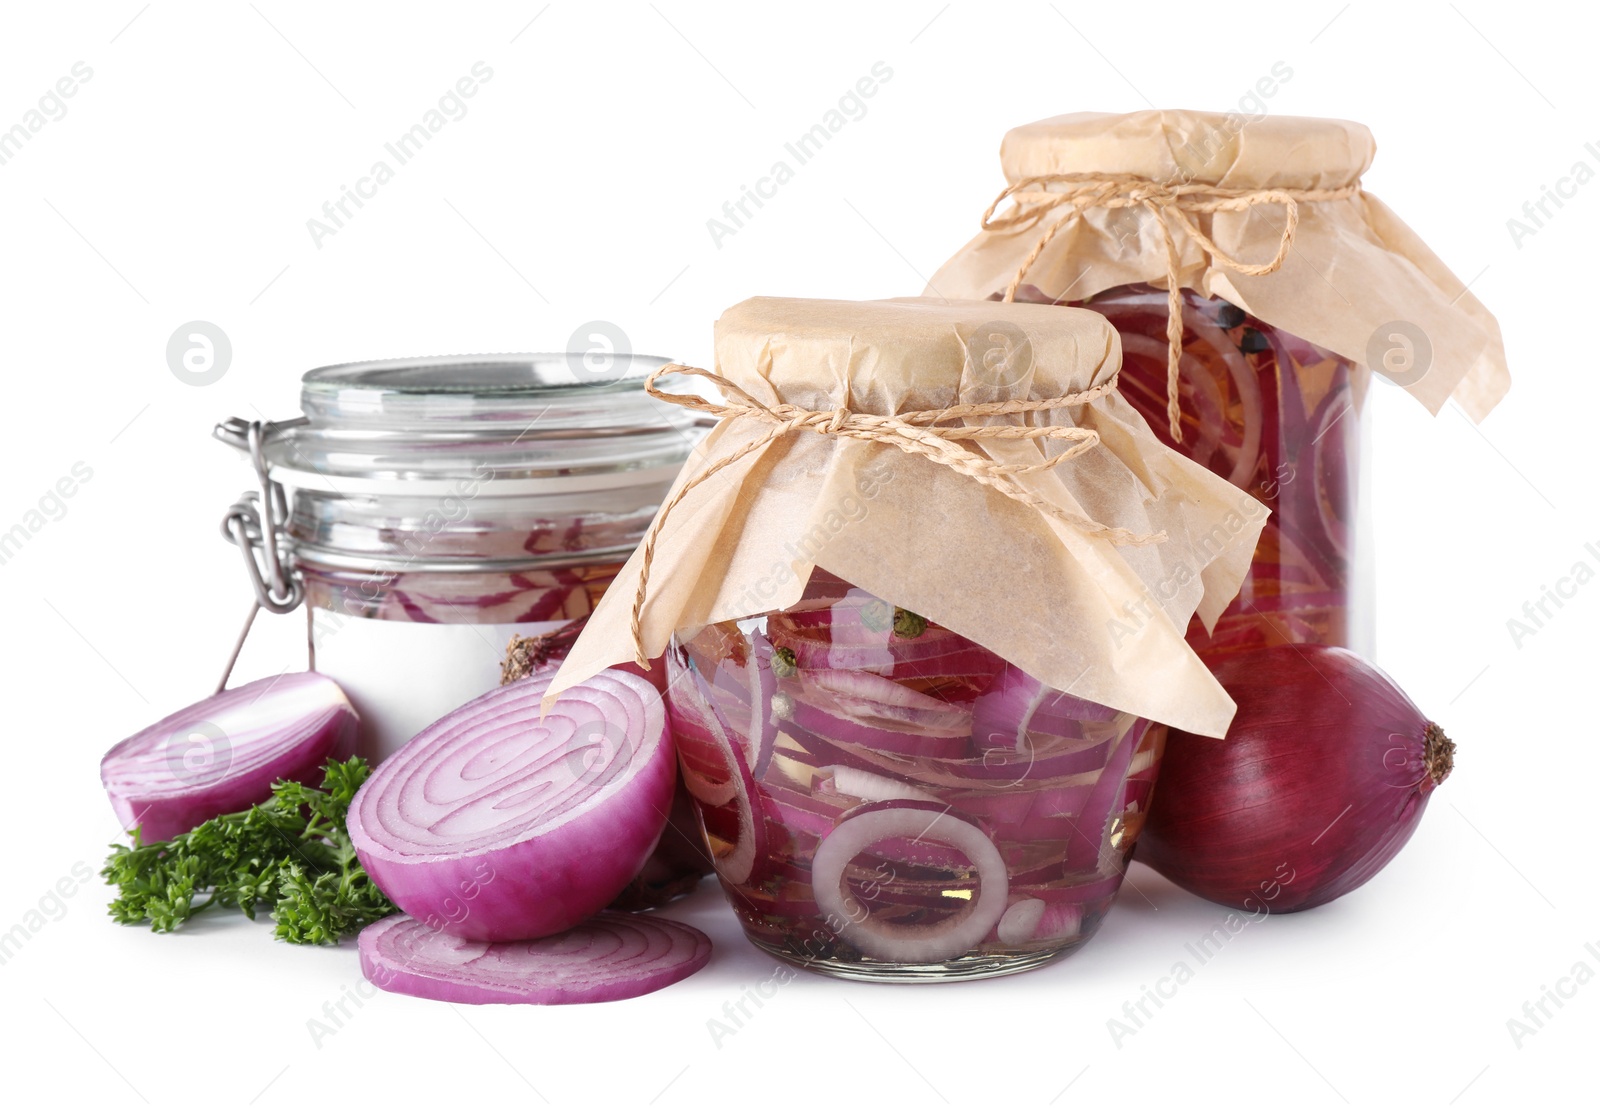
677, 864
1321, 780
285, 727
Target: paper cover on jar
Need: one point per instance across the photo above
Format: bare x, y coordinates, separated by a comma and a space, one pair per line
1063, 601
1356, 279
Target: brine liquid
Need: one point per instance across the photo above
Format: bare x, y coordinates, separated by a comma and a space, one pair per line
1279, 418
793, 726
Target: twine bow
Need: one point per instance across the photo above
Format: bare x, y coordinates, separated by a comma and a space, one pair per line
913, 432
1081, 191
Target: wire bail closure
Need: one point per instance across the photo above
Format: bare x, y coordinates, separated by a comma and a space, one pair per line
257, 523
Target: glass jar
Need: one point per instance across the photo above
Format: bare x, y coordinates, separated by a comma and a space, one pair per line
1297, 288
1281, 418
920, 599
889, 800
441, 506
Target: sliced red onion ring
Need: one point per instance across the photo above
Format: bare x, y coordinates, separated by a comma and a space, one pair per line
813, 814
1085, 851
608, 957
1021, 713
1331, 473
836, 724
877, 700
1035, 920
1062, 759
850, 706
748, 850
741, 696
870, 787
497, 825
1039, 812
222, 754
1060, 920
698, 734
940, 858
911, 943
741, 857
1020, 921
1247, 395
838, 639
1022, 807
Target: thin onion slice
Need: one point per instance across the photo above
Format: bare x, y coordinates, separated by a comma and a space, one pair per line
1021, 713
741, 697
700, 738
1020, 921
1087, 850
222, 754
1035, 920
747, 849
868, 786
494, 824
609, 957
855, 707
879, 701
909, 943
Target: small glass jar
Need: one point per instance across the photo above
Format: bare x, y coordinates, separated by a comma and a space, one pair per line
920, 734
1281, 418
888, 800
442, 505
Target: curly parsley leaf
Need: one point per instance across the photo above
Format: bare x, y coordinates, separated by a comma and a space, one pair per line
291, 852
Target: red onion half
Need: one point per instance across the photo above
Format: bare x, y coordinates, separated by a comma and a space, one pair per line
493, 824
222, 754
609, 957
1322, 778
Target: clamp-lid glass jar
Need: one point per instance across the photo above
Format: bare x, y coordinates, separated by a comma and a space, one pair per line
442, 505
891, 582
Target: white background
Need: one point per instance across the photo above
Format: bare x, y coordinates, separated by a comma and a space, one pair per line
177, 187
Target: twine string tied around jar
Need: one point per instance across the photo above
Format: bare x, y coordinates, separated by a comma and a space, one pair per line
1033, 199
915, 432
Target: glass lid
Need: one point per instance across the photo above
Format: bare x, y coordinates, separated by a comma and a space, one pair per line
473, 388
532, 417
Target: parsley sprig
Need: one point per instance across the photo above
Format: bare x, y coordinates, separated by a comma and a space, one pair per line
291, 852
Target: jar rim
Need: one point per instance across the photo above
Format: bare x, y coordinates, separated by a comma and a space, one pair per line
483, 386
545, 420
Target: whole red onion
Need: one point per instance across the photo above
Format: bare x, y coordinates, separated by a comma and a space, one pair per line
1322, 778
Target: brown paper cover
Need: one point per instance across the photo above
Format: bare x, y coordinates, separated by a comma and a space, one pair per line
1354, 269
1103, 621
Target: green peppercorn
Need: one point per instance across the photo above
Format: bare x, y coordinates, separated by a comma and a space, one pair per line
784, 664
908, 625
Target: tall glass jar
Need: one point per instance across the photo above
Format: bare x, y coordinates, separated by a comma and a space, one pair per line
889, 800
1296, 289
1281, 418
